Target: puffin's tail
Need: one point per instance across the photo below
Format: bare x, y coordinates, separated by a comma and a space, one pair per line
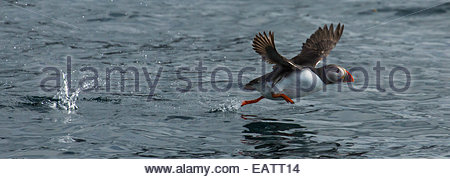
250, 86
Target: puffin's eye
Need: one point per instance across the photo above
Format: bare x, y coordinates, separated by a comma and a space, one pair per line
337, 70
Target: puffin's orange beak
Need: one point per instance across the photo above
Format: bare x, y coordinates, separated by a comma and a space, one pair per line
348, 78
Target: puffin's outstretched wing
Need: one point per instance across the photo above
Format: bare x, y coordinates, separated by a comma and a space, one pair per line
265, 46
319, 45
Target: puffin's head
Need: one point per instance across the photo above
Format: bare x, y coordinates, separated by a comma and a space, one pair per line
337, 74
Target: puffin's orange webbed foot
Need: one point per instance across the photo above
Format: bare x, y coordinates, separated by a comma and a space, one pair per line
251, 101
289, 100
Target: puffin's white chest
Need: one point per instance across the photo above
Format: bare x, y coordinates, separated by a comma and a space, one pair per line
296, 84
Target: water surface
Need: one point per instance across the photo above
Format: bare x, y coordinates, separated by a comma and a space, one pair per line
173, 34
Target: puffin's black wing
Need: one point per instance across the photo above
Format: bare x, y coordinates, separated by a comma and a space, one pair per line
265, 46
318, 46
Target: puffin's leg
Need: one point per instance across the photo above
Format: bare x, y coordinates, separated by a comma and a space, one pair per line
289, 100
251, 101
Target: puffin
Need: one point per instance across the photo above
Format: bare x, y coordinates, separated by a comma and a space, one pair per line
298, 76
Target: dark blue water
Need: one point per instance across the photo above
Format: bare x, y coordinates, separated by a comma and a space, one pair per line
169, 35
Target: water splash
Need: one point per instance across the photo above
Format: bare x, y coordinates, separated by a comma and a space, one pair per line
66, 99
65, 139
230, 105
